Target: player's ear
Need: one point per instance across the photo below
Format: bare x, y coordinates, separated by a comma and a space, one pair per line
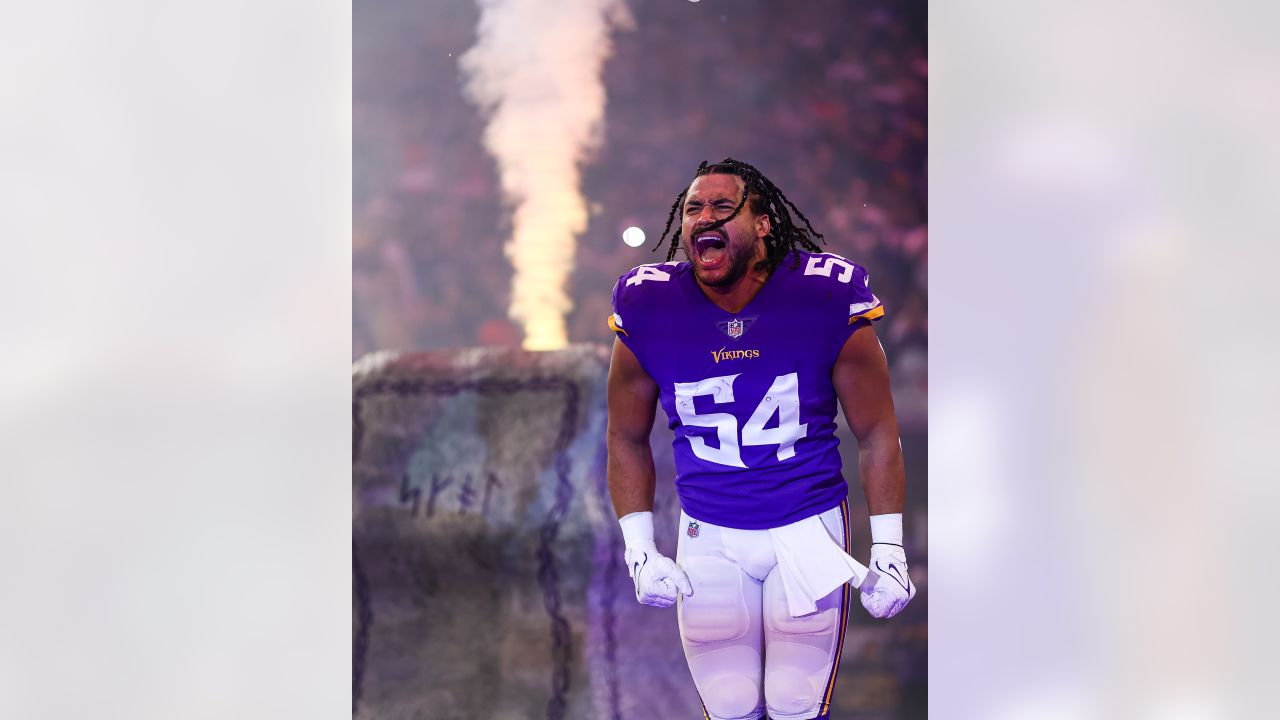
763, 226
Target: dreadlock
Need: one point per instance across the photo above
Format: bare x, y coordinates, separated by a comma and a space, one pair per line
784, 238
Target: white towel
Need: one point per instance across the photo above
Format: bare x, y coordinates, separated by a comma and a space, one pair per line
811, 564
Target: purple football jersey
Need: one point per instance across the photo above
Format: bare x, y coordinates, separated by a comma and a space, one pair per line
749, 395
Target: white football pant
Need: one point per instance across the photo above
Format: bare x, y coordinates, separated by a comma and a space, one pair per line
745, 651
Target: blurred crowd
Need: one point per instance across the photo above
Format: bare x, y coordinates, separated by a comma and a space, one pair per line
827, 98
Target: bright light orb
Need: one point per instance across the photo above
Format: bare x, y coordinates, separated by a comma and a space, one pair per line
633, 236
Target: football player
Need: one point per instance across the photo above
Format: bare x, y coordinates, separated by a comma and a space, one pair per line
747, 345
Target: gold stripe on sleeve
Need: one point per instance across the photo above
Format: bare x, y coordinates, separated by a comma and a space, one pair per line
874, 313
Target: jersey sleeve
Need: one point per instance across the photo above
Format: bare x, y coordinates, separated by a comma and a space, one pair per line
615, 321
638, 302
858, 305
863, 304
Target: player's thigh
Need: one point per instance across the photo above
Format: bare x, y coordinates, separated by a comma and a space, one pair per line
803, 653
721, 627
726, 601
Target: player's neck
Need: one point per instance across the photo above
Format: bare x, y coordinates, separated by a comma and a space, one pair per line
736, 296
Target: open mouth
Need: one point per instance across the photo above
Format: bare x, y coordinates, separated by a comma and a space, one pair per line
710, 248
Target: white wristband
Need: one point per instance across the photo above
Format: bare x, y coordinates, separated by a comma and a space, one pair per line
887, 528
637, 529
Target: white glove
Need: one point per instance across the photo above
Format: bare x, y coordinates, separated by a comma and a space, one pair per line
657, 578
892, 589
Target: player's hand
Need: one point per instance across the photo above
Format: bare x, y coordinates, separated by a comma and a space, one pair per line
657, 578
892, 589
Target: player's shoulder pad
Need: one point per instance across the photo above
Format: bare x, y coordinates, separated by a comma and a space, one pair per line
642, 292
843, 280
647, 280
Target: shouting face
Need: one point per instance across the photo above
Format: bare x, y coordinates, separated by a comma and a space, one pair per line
721, 255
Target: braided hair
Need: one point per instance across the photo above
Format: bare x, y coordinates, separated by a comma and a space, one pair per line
784, 237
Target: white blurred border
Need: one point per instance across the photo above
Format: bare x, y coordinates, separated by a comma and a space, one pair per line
175, 374
175, 377
1103, 359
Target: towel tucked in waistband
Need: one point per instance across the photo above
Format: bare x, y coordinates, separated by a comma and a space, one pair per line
811, 564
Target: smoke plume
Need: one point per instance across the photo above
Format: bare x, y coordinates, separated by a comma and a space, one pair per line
535, 71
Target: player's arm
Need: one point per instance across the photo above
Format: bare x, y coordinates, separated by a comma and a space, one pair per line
633, 398
861, 380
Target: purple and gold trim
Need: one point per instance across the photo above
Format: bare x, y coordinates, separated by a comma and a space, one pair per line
874, 313
615, 324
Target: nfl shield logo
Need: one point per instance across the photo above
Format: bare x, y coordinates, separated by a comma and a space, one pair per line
735, 328
693, 529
